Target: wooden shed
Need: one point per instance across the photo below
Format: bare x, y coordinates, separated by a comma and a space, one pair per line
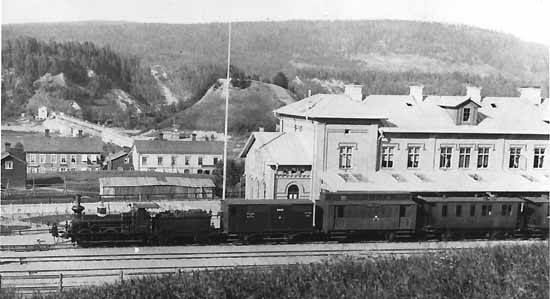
156, 188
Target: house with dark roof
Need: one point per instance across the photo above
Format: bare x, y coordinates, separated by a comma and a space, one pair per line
45, 154
13, 171
120, 161
161, 155
414, 143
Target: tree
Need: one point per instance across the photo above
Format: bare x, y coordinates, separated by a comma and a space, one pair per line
281, 80
235, 170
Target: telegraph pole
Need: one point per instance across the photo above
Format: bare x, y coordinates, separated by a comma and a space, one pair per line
226, 113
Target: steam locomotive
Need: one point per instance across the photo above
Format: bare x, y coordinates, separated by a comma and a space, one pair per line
337, 217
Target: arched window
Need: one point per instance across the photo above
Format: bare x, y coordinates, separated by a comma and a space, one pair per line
186, 171
293, 192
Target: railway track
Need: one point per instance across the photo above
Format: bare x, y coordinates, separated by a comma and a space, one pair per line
48, 271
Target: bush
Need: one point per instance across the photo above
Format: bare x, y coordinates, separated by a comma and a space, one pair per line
497, 272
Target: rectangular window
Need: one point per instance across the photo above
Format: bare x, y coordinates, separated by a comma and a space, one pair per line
538, 160
215, 160
42, 158
402, 211
53, 158
466, 114
413, 157
8, 165
187, 160
73, 158
345, 157
458, 211
340, 211
200, 161
159, 160
387, 156
482, 157
472, 210
94, 158
126, 160
445, 157
173, 161
515, 154
62, 169
84, 158
63, 158
32, 158
464, 157
506, 210
144, 160
444, 210
486, 210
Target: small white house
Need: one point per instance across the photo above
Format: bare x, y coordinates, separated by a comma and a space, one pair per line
42, 113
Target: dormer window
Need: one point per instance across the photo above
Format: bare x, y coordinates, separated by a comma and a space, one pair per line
466, 115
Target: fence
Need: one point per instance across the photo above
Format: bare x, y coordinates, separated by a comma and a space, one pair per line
58, 281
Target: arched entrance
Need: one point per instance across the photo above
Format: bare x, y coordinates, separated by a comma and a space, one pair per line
293, 192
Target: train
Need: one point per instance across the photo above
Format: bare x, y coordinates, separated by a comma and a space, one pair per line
340, 217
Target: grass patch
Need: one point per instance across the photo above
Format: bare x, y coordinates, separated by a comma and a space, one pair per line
497, 272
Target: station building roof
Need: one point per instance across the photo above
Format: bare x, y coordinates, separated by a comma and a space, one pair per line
448, 181
155, 181
284, 148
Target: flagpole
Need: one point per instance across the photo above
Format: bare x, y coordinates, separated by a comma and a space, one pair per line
226, 113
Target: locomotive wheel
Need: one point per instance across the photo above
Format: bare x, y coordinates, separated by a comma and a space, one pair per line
111, 235
445, 236
85, 234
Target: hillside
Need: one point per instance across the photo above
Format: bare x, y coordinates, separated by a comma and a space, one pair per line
185, 60
250, 107
80, 79
375, 45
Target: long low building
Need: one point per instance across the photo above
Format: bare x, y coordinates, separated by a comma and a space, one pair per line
156, 187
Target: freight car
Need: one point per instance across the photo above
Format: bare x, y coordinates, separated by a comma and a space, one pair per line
259, 220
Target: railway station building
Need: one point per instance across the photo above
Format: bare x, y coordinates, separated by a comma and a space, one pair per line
432, 145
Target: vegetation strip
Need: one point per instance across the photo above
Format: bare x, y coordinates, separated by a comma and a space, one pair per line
494, 272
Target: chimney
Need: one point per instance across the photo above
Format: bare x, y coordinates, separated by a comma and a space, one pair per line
193, 137
161, 136
309, 93
474, 93
47, 132
79, 133
7, 146
532, 94
354, 92
415, 91
261, 129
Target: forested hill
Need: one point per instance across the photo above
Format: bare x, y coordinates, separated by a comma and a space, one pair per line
374, 45
384, 55
56, 74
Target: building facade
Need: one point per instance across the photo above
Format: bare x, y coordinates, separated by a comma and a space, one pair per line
119, 161
13, 171
405, 143
46, 154
196, 157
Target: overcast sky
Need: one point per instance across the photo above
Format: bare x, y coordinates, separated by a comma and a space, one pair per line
527, 19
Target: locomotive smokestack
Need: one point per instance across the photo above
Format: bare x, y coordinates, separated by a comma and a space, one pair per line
77, 208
